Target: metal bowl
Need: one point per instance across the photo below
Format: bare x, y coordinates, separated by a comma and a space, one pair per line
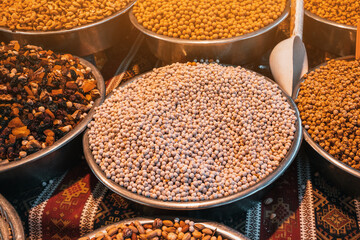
221, 229
12, 218
329, 36
83, 40
235, 50
172, 205
339, 173
48, 162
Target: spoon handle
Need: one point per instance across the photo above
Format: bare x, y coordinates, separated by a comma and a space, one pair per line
297, 18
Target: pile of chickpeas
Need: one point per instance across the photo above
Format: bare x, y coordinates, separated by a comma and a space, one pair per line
192, 132
206, 20
340, 11
329, 101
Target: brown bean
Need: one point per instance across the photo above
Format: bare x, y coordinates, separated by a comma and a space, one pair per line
120, 236
147, 226
171, 236
151, 234
197, 234
112, 231
199, 226
139, 227
157, 223
168, 223
180, 235
207, 237
133, 228
185, 228
207, 231
187, 236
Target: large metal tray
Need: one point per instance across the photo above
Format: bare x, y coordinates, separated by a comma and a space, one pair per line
235, 50
244, 195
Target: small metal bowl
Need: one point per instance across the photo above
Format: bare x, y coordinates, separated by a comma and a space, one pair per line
339, 173
81, 41
11, 216
235, 50
48, 162
329, 36
221, 229
244, 195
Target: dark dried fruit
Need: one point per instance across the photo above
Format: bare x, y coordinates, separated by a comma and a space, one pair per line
35, 88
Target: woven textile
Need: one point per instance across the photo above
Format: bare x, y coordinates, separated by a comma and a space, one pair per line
299, 205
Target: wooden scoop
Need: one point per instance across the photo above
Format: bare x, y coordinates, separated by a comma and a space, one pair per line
288, 60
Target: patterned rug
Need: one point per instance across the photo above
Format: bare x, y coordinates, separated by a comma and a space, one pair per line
299, 205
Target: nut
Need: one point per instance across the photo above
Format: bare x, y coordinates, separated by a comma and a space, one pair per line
172, 236
157, 223
207, 231
187, 236
168, 223
127, 232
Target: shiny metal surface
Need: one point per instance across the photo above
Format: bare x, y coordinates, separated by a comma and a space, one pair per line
329, 36
221, 229
12, 218
172, 205
236, 50
339, 173
82, 40
44, 164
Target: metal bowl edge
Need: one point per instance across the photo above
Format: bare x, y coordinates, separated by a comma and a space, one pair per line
223, 230
13, 219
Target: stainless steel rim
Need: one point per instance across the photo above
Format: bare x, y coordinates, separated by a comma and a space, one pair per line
317, 147
78, 129
326, 21
215, 41
83, 27
13, 219
172, 205
223, 230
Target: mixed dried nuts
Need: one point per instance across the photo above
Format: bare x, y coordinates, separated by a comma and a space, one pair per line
329, 105
43, 95
46, 15
158, 230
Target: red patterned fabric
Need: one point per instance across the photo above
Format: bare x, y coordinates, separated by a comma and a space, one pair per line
61, 216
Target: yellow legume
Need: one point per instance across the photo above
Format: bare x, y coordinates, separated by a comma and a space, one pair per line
340, 11
210, 19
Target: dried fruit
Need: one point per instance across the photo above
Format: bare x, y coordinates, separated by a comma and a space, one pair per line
35, 94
